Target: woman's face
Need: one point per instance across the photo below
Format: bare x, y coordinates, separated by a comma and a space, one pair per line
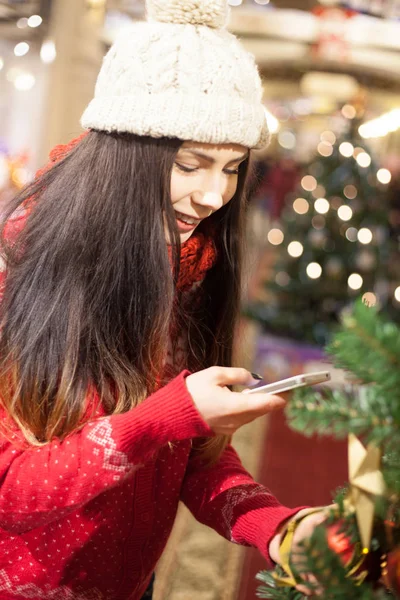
204, 178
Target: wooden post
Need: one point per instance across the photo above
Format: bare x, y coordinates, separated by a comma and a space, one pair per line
75, 28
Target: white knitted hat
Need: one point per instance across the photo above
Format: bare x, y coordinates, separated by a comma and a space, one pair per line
181, 75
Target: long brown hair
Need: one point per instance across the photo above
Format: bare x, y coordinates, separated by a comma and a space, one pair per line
90, 290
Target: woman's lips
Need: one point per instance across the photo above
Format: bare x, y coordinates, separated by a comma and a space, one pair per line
181, 222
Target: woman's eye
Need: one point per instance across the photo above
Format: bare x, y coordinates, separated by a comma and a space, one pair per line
186, 169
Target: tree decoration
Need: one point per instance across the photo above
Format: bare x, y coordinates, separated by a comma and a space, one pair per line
355, 553
366, 484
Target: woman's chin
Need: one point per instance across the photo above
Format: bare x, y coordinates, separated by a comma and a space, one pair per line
185, 236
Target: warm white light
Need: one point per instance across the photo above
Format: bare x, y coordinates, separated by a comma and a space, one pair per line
35, 21
397, 294
348, 111
272, 122
325, 149
363, 159
301, 206
350, 191
235, 2
346, 149
355, 281
352, 234
262, 2
23, 175
345, 212
384, 176
24, 82
365, 235
322, 206
287, 140
1, 63
328, 136
21, 49
275, 237
314, 270
295, 249
309, 183
48, 52
22, 23
369, 299
303, 106
381, 126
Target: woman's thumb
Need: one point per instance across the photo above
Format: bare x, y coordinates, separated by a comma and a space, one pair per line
232, 376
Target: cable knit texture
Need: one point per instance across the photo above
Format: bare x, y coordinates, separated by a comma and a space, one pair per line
87, 518
212, 13
181, 75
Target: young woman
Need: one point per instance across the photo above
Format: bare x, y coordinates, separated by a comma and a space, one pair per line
120, 298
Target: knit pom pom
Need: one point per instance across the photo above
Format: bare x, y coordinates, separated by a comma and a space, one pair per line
212, 13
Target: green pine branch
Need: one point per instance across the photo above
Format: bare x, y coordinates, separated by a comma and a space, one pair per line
274, 592
338, 413
369, 346
327, 567
391, 465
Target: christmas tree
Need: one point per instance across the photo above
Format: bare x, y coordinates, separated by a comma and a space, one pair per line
333, 241
355, 553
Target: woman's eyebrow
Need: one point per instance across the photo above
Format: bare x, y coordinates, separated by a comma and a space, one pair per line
210, 159
239, 158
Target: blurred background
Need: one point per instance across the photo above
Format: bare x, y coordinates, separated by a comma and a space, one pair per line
324, 208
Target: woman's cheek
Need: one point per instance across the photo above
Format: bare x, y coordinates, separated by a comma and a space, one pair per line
231, 190
180, 187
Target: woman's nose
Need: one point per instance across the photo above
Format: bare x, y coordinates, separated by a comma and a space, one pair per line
211, 200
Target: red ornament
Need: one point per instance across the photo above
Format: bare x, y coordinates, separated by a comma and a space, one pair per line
350, 554
340, 543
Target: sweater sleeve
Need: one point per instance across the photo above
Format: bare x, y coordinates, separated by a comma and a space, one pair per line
41, 484
226, 497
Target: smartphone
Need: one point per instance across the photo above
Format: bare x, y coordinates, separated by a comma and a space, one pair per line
292, 383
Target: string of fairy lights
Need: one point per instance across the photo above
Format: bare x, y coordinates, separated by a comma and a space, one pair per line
322, 205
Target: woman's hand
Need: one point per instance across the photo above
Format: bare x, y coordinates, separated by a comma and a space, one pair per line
225, 411
303, 531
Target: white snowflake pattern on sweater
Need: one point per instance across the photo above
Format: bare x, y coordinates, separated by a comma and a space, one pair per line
29, 590
114, 460
235, 496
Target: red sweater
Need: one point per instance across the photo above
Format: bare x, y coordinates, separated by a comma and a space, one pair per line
88, 518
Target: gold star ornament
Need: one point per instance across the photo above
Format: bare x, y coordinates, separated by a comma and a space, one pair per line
366, 484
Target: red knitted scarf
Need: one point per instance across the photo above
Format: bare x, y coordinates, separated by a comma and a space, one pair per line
198, 255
